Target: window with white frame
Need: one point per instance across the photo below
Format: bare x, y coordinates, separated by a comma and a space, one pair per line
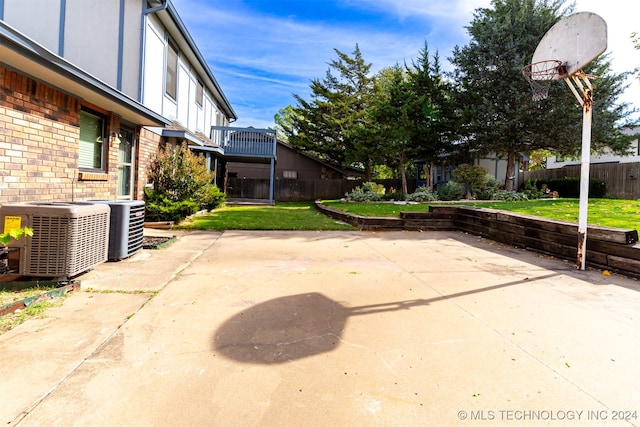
91, 153
171, 77
290, 174
199, 93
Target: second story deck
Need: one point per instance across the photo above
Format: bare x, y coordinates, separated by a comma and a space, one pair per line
246, 144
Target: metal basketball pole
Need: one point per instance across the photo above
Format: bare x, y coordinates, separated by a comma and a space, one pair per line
585, 99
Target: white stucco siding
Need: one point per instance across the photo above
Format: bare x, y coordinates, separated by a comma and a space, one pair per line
91, 37
131, 48
495, 167
207, 112
606, 157
184, 81
43, 26
193, 107
154, 69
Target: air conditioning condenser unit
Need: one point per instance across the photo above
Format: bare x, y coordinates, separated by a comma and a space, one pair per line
126, 228
68, 238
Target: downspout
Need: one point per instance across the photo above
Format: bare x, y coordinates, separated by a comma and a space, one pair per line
143, 36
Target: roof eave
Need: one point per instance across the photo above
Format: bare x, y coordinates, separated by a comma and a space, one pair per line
20, 53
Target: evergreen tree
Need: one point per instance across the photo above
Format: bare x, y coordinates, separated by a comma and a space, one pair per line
433, 111
335, 124
391, 113
283, 120
500, 114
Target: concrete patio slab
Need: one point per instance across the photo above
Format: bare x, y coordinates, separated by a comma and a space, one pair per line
355, 328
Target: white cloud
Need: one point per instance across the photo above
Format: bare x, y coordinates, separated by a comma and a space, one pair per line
448, 10
622, 20
271, 57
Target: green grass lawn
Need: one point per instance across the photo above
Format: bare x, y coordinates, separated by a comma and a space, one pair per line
282, 216
9, 295
604, 212
303, 216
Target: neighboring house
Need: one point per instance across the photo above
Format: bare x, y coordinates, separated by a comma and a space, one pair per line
556, 162
497, 166
89, 90
291, 164
442, 172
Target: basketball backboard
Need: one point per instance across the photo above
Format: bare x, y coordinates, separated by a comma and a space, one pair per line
575, 40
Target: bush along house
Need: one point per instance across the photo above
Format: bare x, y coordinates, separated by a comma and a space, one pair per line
89, 91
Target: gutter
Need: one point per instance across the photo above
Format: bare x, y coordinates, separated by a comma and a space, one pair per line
13, 40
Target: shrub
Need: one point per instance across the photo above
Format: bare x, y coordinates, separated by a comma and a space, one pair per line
182, 185
450, 191
180, 174
372, 187
369, 192
422, 194
570, 187
472, 177
394, 195
360, 196
532, 191
509, 196
487, 191
160, 208
212, 199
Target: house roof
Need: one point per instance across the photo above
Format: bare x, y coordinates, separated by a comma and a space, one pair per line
20, 53
172, 21
352, 171
197, 141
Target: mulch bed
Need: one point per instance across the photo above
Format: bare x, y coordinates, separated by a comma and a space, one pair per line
157, 242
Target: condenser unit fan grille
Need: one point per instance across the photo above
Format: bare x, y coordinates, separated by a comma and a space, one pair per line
67, 246
136, 229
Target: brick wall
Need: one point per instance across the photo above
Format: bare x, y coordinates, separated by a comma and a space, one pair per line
148, 143
39, 137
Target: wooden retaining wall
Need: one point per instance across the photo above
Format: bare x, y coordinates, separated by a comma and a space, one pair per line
608, 248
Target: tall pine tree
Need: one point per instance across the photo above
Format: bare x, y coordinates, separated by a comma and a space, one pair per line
334, 124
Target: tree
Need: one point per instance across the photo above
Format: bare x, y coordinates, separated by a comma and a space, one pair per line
335, 124
391, 112
182, 184
498, 108
284, 119
635, 39
433, 111
415, 113
473, 177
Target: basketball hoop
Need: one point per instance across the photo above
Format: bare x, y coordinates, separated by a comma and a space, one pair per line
577, 40
540, 74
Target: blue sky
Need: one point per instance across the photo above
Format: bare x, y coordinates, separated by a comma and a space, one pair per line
263, 51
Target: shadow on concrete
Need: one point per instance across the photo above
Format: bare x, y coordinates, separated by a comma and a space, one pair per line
298, 326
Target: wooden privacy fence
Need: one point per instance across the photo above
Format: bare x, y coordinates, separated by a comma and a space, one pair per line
622, 179
295, 190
